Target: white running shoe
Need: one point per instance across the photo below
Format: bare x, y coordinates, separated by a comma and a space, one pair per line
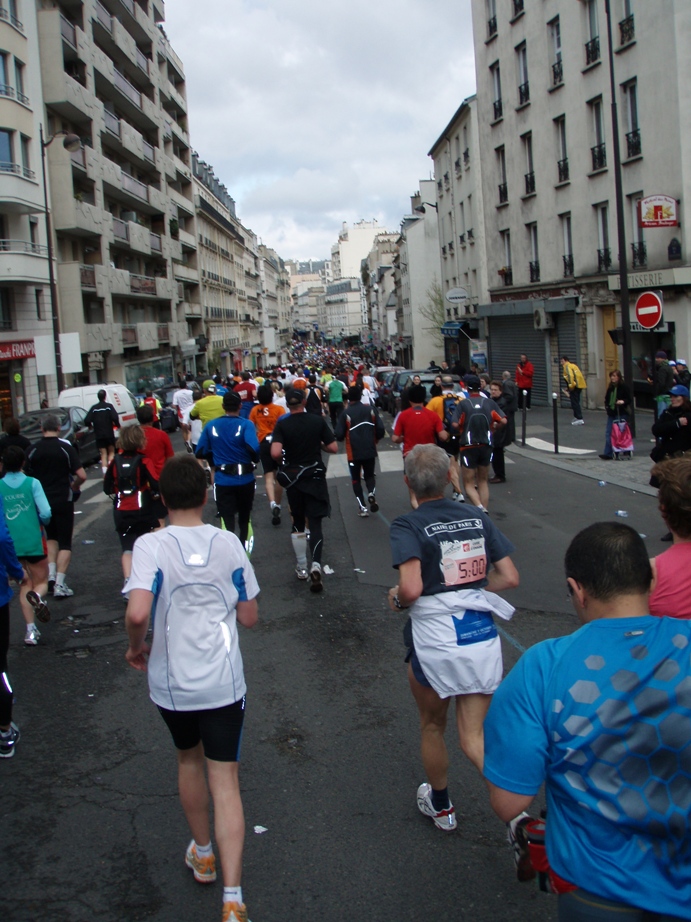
62, 591
443, 819
32, 635
301, 572
363, 513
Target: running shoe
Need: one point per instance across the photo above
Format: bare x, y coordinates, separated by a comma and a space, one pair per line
204, 868
443, 819
234, 912
188, 448
62, 591
32, 635
316, 577
363, 513
8, 741
275, 514
301, 572
39, 606
517, 837
373, 504
457, 497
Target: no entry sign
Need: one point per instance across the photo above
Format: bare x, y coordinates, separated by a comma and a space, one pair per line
649, 309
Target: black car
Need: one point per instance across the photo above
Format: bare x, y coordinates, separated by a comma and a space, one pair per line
427, 378
72, 429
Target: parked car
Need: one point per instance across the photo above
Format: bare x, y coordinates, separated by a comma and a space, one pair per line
72, 429
395, 389
405, 379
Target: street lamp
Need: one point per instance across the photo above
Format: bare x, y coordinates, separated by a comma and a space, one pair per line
420, 209
71, 142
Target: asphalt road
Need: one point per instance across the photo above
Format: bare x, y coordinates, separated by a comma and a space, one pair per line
330, 764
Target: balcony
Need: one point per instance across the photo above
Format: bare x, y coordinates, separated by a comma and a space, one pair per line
604, 259
599, 153
78, 158
557, 73
68, 31
639, 254
142, 61
534, 268
461, 239
524, 93
142, 285
568, 266
457, 165
492, 27
8, 17
530, 183
466, 157
498, 110
503, 193
633, 143
627, 31
563, 169
121, 229
23, 261
471, 235
6, 91
18, 170
149, 151
156, 245
592, 51
507, 276
87, 276
162, 333
103, 17
127, 89
129, 335
112, 123
135, 187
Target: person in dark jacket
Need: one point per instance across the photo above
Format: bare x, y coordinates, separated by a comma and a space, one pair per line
360, 426
673, 429
617, 405
104, 420
12, 436
662, 380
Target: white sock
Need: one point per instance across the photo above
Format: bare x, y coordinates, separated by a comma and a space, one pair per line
52, 570
59, 579
204, 851
299, 542
232, 895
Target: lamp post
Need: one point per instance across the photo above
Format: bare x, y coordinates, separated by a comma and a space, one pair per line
421, 207
71, 143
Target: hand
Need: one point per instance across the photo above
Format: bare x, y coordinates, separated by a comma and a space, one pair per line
620, 403
684, 421
138, 660
393, 592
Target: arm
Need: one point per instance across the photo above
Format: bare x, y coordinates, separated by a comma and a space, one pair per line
409, 588
42, 504
251, 441
137, 624
276, 450
503, 575
8, 554
79, 478
506, 804
247, 613
340, 427
331, 448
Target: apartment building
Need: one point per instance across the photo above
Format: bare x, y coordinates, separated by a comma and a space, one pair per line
276, 308
310, 320
548, 180
458, 167
377, 277
123, 206
24, 277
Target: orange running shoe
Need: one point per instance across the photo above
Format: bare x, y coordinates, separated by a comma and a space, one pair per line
204, 868
234, 912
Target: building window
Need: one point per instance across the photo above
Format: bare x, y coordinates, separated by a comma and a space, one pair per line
5, 309
501, 172
33, 231
599, 149
530, 171
592, 46
38, 295
506, 271
6, 158
491, 18
19, 82
639, 251
495, 75
5, 88
633, 133
26, 157
604, 253
555, 43
627, 30
523, 84
567, 256
534, 264
562, 155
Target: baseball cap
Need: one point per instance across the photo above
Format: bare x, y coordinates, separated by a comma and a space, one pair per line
660, 354
294, 396
681, 362
231, 400
679, 391
672, 362
472, 381
209, 385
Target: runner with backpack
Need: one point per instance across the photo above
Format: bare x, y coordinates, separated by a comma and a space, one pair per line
445, 406
131, 485
477, 417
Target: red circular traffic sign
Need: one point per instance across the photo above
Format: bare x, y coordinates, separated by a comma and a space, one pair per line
649, 309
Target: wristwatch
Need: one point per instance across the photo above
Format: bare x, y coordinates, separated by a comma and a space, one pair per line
397, 603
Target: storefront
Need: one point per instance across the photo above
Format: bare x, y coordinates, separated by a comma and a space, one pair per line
149, 375
13, 368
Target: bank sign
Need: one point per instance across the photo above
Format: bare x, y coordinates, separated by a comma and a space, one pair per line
17, 350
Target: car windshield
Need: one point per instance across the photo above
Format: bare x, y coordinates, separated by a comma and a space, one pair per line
30, 423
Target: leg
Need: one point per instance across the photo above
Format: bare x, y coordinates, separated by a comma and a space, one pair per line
316, 539
5, 687
103, 452
528, 397
482, 474
470, 717
469, 485
575, 398
369, 475
63, 560
38, 582
227, 502
355, 474
433, 711
498, 463
272, 487
229, 819
245, 501
194, 793
126, 564
455, 473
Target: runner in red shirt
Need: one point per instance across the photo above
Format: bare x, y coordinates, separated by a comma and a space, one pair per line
247, 391
157, 450
417, 426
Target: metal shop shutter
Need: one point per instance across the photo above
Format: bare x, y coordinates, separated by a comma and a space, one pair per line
508, 338
567, 340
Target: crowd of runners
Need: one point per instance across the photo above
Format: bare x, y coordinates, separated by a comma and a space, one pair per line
600, 717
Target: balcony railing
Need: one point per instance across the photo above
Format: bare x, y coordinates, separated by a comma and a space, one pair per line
142, 61
132, 185
517, 7
121, 229
503, 193
568, 266
592, 50
162, 333
492, 26
534, 268
17, 169
6, 90
142, 284
599, 153
8, 17
524, 93
87, 276
627, 30
557, 73
126, 88
112, 123
457, 164
498, 109
563, 168
640, 254
78, 158
156, 242
23, 246
129, 6
129, 334
68, 31
633, 143
471, 235
24, 100
507, 275
530, 183
604, 259
450, 245
104, 17
149, 152
461, 239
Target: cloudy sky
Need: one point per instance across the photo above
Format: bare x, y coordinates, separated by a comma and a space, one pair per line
314, 112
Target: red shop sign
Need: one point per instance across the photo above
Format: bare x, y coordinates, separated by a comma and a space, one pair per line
20, 350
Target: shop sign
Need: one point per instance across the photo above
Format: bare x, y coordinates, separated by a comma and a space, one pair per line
657, 211
18, 350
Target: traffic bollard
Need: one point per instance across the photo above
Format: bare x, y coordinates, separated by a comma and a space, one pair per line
524, 412
555, 419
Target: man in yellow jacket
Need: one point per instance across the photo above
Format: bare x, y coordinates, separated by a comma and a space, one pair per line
575, 383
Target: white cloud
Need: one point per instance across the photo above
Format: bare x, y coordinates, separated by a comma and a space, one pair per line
314, 112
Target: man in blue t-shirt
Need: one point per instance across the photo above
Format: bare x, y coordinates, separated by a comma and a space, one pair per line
447, 555
230, 444
602, 718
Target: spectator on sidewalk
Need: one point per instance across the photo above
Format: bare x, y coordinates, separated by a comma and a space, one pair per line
662, 380
617, 406
575, 384
671, 592
502, 436
525, 371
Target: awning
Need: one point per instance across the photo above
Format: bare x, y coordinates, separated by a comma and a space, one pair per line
451, 329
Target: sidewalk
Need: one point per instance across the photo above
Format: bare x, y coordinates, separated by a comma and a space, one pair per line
580, 447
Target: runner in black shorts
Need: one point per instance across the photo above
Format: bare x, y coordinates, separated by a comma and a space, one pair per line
219, 730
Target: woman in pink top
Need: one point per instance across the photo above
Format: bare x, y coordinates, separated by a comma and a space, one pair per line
671, 592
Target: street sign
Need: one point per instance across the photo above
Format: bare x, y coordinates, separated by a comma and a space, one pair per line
456, 295
649, 309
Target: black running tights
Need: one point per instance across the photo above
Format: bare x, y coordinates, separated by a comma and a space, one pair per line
5, 689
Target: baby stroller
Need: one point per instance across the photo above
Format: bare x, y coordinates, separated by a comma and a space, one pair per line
622, 440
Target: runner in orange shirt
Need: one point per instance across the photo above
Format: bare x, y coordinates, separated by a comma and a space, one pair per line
265, 415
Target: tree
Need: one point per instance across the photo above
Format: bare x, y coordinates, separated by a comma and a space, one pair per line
434, 310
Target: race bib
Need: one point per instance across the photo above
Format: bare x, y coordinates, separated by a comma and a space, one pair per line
463, 561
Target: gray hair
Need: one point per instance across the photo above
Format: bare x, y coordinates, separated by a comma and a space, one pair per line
427, 470
506, 374
50, 423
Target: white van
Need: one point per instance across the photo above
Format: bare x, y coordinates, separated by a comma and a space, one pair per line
117, 394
